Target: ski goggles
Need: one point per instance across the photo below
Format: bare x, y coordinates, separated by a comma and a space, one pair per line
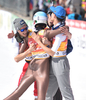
22, 30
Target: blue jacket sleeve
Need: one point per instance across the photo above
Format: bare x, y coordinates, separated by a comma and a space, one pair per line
69, 47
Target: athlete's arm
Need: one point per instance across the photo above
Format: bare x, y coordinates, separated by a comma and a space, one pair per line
38, 39
21, 56
22, 53
67, 33
23, 46
46, 49
51, 33
46, 41
55, 46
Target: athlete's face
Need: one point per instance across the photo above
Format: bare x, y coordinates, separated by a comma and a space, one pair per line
52, 17
50, 23
23, 31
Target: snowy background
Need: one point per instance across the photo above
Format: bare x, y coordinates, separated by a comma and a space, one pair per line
10, 70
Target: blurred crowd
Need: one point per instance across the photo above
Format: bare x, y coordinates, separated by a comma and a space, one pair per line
71, 11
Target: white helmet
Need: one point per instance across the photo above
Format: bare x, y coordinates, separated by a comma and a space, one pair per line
40, 18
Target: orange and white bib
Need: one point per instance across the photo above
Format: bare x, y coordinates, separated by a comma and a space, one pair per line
39, 53
59, 45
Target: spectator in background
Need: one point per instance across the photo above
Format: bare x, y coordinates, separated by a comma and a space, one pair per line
84, 16
67, 10
82, 12
29, 6
56, 3
40, 4
62, 3
68, 2
47, 4
73, 15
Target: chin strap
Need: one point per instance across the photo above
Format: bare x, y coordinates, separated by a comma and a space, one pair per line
38, 29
